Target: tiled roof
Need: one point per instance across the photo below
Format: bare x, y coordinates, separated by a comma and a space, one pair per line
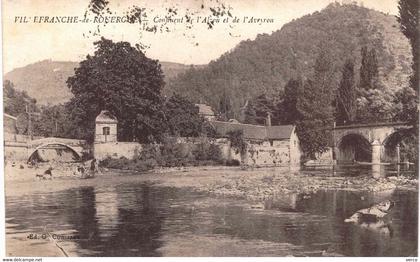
255, 132
106, 117
204, 109
280, 132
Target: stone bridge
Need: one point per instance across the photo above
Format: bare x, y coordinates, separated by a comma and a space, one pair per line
76, 146
18, 147
375, 143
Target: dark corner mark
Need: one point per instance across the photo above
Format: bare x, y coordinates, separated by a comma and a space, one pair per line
139, 15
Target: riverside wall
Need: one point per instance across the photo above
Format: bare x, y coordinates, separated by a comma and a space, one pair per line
277, 153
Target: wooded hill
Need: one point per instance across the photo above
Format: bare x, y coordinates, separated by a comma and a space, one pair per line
46, 80
264, 65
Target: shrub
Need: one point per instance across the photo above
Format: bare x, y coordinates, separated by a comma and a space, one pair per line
214, 153
169, 154
237, 141
150, 153
200, 151
206, 151
118, 163
233, 162
124, 163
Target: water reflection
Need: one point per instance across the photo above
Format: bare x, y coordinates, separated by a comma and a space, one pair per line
147, 220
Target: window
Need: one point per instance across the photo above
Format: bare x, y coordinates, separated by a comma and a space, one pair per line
105, 131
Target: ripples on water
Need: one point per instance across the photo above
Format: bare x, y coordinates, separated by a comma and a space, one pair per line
148, 220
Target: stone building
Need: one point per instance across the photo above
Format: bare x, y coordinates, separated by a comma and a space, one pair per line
9, 124
106, 143
206, 112
105, 127
267, 145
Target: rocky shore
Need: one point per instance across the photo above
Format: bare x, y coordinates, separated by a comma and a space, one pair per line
252, 184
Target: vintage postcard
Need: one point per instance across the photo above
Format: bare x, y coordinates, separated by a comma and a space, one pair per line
210, 128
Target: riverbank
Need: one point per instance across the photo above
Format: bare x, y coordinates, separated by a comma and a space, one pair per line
255, 185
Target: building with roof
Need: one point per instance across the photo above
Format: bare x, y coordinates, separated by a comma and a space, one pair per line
206, 111
267, 145
105, 127
106, 143
10, 124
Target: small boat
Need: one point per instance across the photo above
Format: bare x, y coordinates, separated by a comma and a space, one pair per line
372, 214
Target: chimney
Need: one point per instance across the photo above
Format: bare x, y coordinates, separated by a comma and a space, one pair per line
268, 120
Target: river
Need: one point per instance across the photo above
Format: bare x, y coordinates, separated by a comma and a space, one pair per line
145, 218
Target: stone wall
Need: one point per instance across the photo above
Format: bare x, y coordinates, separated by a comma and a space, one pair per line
322, 159
264, 153
15, 151
116, 150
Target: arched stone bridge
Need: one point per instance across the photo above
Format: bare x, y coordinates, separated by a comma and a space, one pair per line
78, 147
22, 148
374, 143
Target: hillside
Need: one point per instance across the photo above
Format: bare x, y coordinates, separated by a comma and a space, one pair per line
46, 80
265, 64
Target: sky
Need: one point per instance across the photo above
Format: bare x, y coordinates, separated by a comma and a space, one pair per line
26, 43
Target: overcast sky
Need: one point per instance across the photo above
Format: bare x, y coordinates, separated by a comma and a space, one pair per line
25, 43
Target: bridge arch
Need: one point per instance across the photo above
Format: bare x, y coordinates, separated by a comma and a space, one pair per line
72, 149
391, 145
353, 146
384, 139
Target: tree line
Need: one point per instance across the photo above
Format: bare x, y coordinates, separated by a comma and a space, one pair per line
314, 104
118, 78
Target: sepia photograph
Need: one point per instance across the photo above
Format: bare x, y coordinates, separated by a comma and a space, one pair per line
210, 128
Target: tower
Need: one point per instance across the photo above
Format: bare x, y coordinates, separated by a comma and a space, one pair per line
105, 127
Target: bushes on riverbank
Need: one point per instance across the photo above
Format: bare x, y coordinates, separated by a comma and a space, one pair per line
170, 154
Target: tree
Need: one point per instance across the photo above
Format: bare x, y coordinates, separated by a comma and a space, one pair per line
17, 102
121, 79
50, 121
368, 70
408, 19
183, 118
55, 121
347, 95
257, 110
406, 101
312, 128
375, 102
225, 107
250, 114
237, 141
315, 105
286, 111
21, 105
376, 105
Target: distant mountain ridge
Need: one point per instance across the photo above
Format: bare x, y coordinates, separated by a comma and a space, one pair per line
46, 80
264, 65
